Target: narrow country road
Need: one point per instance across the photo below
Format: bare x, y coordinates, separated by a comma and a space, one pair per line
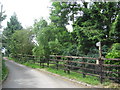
21, 76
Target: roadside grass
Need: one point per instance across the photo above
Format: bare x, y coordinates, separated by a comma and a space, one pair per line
31, 65
4, 70
73, 75
0, 72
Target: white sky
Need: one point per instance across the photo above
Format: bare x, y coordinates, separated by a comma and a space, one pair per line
27, 10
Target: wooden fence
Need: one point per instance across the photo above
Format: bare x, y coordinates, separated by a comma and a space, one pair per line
83, 65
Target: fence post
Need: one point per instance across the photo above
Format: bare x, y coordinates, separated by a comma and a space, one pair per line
101, 69
24, 58
83, 66
21, 59
40, 61
48, 61
64, 64
34, 58
56, 64
27, 57
43, 62
68, 68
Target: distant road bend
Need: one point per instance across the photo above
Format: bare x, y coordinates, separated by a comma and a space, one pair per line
21, 76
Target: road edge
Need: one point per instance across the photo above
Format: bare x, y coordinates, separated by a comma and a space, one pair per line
68, 79
5, 77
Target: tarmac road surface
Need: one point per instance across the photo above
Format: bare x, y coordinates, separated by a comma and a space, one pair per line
21, 76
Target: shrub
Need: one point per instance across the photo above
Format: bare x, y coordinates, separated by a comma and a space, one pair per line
113, 52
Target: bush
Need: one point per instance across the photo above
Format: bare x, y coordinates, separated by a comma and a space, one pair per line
113, 52
4, 69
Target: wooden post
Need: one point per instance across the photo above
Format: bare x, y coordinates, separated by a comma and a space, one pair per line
27, 58
100, 50
56, 63
34, 58
23, 59
48, 61
43, 62
40, 61
64, 66
83, 66
100, 63
68, 68
19, 58
101, 70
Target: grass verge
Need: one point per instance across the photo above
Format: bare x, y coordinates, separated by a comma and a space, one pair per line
88, 79
4, 71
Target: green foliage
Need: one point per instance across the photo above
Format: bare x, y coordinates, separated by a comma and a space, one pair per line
88, 28
4, 70
55, 47
39, 24
38, 51
43, 36
104, 50
113, 54
31, 65
98, 26
114, 51
54, 38
59, 14
21, 42
115, 30
12, 25
77, 76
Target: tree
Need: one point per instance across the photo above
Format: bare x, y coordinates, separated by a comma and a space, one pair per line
39, 24
88, 28
115, 30
114, 52
47, 37
95, 27
21, 45
41, 37
12, 26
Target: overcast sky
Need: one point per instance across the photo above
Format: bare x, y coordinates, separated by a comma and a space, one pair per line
27, 10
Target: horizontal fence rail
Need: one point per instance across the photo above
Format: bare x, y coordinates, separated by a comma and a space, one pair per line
84, 65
